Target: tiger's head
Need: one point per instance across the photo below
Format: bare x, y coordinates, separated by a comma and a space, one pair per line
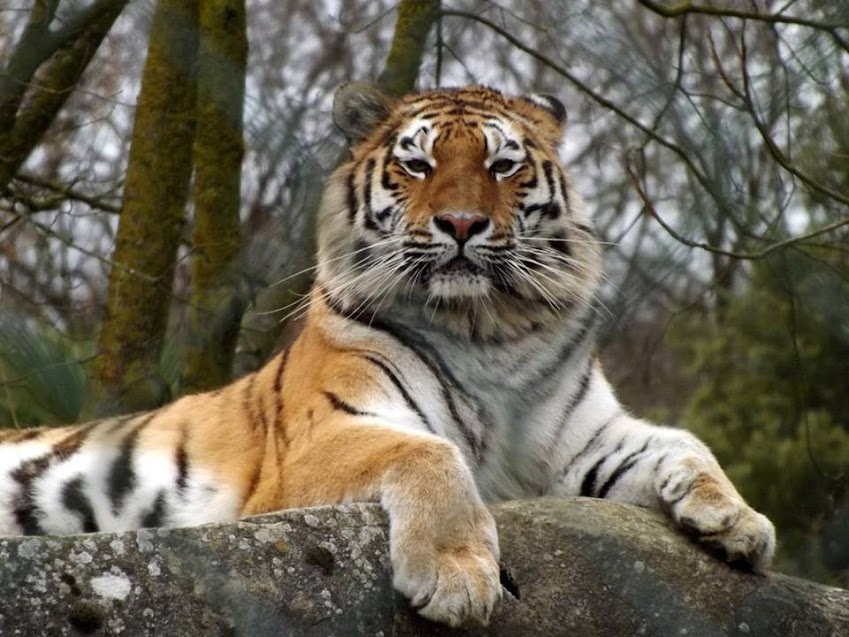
455, 203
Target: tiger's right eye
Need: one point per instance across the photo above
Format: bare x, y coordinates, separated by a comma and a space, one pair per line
419, 166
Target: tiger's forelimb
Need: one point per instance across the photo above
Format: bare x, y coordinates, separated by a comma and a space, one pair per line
443, 541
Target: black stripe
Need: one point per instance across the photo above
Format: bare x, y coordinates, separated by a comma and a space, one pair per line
431, 359
117, 423
280, 408
575, 400
548, 209
532, 182
381, 216
182, 459
587, 229
122, 476
384, 177
590, 443
12, 436
560, 243
351, 197
625, 465
370, 164
408, 399
24, 508
281, 368
563, 191
569, 346
450, 107
74, 499
341, 405
156, 516
588, 483
256, 419
69, 445
548, 171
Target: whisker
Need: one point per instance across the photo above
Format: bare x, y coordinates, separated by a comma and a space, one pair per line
334, 259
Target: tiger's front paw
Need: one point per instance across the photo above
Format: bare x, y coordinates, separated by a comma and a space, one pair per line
703, 502
450, 577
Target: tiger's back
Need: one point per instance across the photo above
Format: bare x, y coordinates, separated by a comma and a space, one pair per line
447, 359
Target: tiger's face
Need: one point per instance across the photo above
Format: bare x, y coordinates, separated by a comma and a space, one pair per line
456, 200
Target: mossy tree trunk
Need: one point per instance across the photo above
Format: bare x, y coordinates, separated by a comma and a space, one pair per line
42, 71
415, 17
125, 372
217, 306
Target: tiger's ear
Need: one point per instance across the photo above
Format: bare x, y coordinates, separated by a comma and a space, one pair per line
358, 108
551, 104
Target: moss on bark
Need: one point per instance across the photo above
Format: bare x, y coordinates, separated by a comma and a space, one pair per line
152, 218
218, 149
415, 18
21, 128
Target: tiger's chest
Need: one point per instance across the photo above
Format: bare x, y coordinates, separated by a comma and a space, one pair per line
513, 400
500, 403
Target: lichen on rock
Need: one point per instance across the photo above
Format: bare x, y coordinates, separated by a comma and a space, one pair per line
576, 567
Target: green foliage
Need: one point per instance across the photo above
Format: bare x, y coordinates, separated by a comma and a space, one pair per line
41, 380
773, 404
44, 378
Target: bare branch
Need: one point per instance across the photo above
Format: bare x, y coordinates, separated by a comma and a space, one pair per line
752, 256
68, 192
38, 43
686, 7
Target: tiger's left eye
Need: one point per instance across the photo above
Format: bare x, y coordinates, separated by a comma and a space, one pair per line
417, 166
502, 166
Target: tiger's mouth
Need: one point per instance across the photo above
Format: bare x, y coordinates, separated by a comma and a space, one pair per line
459, 278
459, 266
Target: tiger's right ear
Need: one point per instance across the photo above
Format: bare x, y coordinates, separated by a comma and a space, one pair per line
358, 108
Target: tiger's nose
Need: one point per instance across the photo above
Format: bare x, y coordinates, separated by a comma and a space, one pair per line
462, 225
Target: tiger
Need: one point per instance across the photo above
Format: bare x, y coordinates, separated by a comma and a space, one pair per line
447, 362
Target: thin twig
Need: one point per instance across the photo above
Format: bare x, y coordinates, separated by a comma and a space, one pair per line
68, 192
752, 256
686, 7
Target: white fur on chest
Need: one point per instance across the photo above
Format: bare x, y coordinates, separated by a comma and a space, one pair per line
523, 389
502, 404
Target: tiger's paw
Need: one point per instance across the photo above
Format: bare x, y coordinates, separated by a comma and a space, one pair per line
452, 580
706, 506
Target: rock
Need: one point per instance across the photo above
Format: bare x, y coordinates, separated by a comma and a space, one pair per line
571, 567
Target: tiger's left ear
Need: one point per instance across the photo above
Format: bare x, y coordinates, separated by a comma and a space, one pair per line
358, 108
551, 104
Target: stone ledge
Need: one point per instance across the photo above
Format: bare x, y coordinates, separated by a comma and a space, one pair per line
575, 567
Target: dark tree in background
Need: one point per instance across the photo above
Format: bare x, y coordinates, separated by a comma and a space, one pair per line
153, 214
157, 224
217, 305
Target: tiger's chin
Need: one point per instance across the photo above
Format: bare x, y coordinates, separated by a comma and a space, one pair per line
456, 288
458, 282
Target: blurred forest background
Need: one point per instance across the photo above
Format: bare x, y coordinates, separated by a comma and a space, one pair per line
161, 162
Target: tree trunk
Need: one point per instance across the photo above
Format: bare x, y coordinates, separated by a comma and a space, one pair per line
125, 372
415, 18
61, 56
217, 306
